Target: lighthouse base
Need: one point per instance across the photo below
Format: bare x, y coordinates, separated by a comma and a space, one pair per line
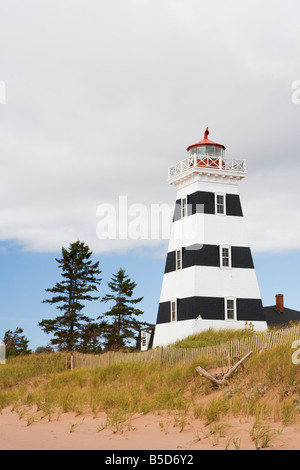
169, 333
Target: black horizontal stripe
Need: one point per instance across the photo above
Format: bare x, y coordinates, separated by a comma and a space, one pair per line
241, 257
233, 205
209, 255
204, 202
201, 198
210, 308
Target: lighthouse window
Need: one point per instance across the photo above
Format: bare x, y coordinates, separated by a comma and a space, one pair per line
225, 257
144, 339
220, 204
207, 151
173, 310
210, 151
178, 259
184, 207
230, 309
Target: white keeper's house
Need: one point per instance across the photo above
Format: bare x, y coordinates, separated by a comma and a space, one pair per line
209, 278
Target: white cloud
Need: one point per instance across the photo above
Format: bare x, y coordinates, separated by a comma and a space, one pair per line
103, 96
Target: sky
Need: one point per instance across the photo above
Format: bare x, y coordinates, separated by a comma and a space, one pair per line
101, 97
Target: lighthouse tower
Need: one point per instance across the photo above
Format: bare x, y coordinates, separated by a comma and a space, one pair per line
209, 279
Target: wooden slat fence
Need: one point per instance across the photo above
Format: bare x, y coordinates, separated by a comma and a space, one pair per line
169, 355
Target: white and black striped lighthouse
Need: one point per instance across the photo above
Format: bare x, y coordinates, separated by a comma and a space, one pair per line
209, 278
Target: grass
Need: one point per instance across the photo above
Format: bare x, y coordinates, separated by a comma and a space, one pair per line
267, 389
262, 435
235, 441
127, 388
212, 337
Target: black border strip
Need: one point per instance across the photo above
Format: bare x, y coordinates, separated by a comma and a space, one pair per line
204, 202
209, 255
210, 308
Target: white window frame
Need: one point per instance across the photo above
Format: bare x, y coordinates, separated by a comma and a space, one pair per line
179, 259
184, 207
224, 203
233, 299
144, 339
226, 247
173, 303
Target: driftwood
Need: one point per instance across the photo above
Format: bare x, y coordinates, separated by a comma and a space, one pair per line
221, 380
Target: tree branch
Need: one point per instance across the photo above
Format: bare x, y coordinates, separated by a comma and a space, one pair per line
226, 376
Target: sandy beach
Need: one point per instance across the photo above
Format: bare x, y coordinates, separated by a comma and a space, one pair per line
144, 432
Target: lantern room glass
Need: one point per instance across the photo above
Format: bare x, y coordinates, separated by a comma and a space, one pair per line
208, 151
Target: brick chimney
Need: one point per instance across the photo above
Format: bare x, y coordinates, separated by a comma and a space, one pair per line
279, 303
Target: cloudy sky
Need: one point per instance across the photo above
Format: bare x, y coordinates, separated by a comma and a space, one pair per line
103, 96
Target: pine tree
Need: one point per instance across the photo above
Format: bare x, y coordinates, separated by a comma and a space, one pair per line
124, 326
90, 335
80, 280
15, 343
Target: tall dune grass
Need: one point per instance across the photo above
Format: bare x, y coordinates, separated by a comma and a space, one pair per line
268, 388
213, 337
127, 387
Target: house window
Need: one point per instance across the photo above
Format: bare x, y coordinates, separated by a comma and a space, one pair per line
220, 204
173, 310
184, 207
144, 339
230, 309
225, 256
178, 259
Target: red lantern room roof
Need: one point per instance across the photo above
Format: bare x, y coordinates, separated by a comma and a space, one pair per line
206, 142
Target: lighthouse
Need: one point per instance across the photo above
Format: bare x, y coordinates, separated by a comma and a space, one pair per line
209, 279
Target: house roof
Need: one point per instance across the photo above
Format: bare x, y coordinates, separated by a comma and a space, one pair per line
274, 318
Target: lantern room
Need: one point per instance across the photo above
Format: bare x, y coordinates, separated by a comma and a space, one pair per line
207, 148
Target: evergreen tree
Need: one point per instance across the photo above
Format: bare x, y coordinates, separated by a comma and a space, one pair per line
80, 280
44, 350
124, 326
90, 334
15, 343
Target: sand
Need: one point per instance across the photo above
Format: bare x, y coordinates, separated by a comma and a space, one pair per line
145, 432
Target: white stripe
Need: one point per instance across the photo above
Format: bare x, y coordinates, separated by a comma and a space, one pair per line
168, 333
222, 186
208, 229
207, 281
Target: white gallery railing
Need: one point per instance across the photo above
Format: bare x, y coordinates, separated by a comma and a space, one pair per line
215, 163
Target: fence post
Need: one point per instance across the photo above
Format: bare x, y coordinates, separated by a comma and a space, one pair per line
108, 358
229, 355
161, 355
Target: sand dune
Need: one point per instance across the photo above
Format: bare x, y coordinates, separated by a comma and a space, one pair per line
147, 432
